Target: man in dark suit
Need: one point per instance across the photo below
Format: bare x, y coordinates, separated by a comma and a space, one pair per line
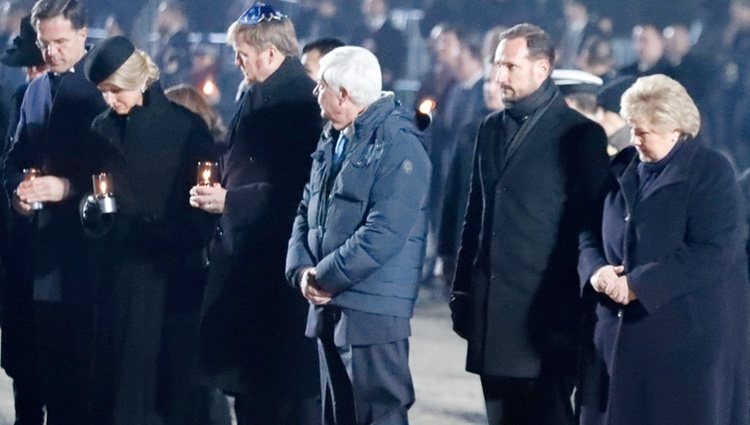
539, 170
53, 136
252, 340
358, 242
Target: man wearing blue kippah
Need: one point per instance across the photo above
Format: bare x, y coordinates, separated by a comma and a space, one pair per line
252, 341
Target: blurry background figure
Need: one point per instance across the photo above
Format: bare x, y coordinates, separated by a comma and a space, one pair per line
328, 18
578, 30
314, 50
608, 113
695, 72
172, 50
191, 98
205, 72
379, 36
733, 99
649, 48
579, 89
489, 44
113, 26
456, 124
446, 48
11, 12
18, 344
597, 58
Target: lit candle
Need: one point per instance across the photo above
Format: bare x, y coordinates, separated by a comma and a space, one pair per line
209, 87
427, 106
102, 183
30, 174
208, 173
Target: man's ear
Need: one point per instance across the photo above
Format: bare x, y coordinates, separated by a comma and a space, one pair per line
272, 52
544, 67
343, 95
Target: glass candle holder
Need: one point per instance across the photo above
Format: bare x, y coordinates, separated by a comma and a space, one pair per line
103, 192
30, 174
208, 173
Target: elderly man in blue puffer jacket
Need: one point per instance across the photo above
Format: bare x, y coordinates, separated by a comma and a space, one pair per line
358, 242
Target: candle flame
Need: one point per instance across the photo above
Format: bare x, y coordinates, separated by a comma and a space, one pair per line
209, 87
427, 106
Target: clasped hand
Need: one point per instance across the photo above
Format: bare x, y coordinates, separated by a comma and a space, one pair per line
310, 289
611, 281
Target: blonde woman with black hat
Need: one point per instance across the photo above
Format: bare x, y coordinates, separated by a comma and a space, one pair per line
152, 248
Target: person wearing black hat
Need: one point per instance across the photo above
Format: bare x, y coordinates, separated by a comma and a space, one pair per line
17, 312
53, 136
252, 341
153, 273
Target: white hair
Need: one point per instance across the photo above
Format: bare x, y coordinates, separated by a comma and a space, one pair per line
354, 69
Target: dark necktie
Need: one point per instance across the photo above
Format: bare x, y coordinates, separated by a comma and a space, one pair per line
54, 83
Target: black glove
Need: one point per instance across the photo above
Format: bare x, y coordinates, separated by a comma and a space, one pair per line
460, 306
94, 222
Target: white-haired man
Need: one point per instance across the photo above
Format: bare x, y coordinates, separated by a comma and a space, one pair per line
357, 245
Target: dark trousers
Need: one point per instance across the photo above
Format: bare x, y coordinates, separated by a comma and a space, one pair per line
364, 385
263, 408
528, 401
28, 403
64, 355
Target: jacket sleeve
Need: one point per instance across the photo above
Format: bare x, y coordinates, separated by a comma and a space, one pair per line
472, 225
20, 155
190, 228
593, 180
713, 238
298, 254
397, 198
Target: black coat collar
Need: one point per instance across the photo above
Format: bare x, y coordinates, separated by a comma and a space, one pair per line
675, 172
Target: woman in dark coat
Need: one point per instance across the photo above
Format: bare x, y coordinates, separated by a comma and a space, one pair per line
672, 277
152, 248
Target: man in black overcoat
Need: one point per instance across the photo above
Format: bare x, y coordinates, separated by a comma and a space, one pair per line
252, 333
539, 170
53, 136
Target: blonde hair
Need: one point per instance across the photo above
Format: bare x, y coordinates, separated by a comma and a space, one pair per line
263, 35
137, 73
189, 97
663, 102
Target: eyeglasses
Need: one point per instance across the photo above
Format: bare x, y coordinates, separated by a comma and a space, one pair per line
260, 12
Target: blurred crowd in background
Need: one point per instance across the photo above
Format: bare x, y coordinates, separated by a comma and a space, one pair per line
442, 51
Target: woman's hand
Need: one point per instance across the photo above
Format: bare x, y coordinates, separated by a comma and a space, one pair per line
620, 291
208, 198
604, 277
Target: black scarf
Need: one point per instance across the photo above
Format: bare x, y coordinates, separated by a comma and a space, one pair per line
521, 115
522, 108
649, 171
